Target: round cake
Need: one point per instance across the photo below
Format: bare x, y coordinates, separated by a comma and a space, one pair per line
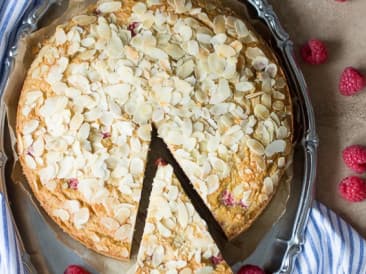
209, 84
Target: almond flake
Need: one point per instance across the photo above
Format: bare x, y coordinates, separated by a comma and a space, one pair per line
186, 69
252, 53
213, 184
158, 256
241, 29
260, 63
182, 215
29, 161
30, 126
136, 166
62, 214
192, 47
277, 146
123, 233
222, 93
174, 51
81, 217
225, 51
255, 146
261, 112
219, 24
60, 36
139, 8
268, 185
165, 232
244, 86
204, 38
109, 223
107, 7
84, 20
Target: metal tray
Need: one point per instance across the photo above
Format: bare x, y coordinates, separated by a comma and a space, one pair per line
280, 246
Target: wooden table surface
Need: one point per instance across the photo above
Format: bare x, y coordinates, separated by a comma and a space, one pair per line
341, 121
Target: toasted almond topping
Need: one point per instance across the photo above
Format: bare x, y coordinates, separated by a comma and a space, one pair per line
255, 146
107, 7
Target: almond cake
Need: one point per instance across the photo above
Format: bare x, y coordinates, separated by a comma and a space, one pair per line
175, 237
212, 87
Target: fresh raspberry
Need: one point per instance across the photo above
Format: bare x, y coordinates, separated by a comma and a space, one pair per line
160, 162
341, 0
314, 52
355, 158
352, 81
73, 183
251, 269
353, 189
75, 269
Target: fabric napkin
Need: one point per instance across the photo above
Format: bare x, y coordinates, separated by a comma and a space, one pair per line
331, 245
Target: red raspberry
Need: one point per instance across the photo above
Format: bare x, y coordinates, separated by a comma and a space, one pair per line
217, 259
133, 28
355, 158
251, 269
352, 81
314, 52
73, 183
75, 269
106, 135
353, 189
341, 0
160, 162
227, 198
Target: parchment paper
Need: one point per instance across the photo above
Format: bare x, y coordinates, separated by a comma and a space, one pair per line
235, 250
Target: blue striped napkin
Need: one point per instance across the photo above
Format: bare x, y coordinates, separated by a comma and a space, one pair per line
331, 245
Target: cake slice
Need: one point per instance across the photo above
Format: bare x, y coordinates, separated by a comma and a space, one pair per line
176, 238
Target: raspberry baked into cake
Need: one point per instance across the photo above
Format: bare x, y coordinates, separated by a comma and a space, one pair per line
201, 76
175, 236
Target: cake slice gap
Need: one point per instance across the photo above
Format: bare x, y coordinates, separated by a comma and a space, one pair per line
175, 237
160, 154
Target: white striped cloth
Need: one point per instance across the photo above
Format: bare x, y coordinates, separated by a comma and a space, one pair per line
10, 257
331, 245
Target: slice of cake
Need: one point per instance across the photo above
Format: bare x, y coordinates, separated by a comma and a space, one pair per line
176, 238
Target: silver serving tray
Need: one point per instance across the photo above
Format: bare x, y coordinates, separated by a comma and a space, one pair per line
277, 250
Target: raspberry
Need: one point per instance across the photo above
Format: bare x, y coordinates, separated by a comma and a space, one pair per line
133, 28
251, 269
217, 259
106, 135
73, 183
355, 158
314, 52
353, 189
160, 162
75, 269
352, 81
341, 0
227, 198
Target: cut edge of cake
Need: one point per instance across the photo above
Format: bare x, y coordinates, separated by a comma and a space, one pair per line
175, 237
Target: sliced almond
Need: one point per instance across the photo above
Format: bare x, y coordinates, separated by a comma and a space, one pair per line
278, 146
107, 7
255, 146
